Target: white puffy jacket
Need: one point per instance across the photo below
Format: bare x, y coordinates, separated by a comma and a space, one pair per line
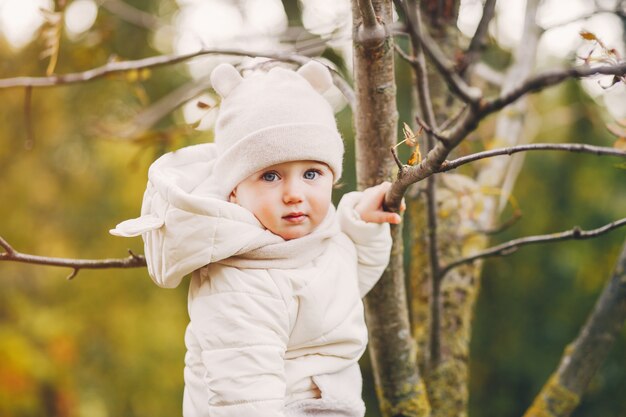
272, 321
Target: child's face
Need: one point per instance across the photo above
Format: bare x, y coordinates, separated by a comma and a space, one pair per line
289, 199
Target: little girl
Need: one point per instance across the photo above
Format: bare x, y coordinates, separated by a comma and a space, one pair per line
277, 324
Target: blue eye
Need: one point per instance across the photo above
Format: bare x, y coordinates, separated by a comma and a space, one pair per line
311, 174
269, 176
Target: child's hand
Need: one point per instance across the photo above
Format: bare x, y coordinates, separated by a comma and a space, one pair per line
370, 208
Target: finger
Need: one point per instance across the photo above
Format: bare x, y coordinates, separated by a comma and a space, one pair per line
382, 217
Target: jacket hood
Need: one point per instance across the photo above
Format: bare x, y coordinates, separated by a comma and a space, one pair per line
186, 225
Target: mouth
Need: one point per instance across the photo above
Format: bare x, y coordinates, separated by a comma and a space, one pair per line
295, 218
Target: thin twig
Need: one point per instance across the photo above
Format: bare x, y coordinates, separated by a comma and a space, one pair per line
367, 14
112, 68
411, 60
447, 123
419, 66
478, 40
437, 135
457, 85
7, 248
548, 79
371, 33
508, 248
10, 254
414, 23
344, 87
401, 166
394, 196
567, 147
470, 121
157, 61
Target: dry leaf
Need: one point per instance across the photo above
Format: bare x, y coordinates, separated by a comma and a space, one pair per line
410, 139
416, 157
409, 136
588, 35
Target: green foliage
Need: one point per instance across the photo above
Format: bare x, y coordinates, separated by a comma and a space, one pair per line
534, 302
109, 342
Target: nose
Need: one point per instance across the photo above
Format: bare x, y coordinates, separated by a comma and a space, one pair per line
292, 192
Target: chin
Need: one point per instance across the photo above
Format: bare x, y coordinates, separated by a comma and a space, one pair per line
293, 234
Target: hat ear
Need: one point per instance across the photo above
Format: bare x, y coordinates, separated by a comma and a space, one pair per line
224, 79
317, 75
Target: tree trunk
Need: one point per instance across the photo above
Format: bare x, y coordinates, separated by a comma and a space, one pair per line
400, 390
460, 201
580, 361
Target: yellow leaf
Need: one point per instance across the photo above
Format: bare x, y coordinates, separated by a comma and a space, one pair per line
588, 35
416, 157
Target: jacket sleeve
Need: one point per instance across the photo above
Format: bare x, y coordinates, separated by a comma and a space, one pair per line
240, 322
372, 242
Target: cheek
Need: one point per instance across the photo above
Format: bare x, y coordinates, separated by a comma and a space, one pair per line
264, 212
260, 204
323, 201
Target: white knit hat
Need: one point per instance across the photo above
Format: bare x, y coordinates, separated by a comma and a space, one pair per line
273, 117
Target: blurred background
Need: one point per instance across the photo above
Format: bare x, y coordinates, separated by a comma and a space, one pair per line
73, 163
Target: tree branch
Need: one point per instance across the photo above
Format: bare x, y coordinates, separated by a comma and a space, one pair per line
508, 248
113, 68
367, 14
404, 55
548, 79
533, 84
371, 32
581, 359
10, 254
436, 134
433, 161
162, 60
478, 40
567, 147
414, 23
456, 84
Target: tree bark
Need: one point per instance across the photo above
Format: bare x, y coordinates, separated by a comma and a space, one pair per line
400, 389
581, 359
